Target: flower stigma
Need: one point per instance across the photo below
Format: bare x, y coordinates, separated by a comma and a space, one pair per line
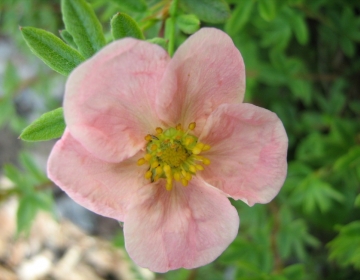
174, 154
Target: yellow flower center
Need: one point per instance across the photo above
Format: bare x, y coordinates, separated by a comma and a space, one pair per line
174, 154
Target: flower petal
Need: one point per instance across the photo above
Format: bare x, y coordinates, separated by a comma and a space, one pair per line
206, 71
248, 154
185, 227
110, 99
102, 187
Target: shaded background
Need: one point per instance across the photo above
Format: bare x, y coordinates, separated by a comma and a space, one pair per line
302, 61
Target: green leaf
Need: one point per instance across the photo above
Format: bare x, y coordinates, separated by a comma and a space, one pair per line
357, 201
6, 110
123, 25
28, 163
170, 34
82, 23
300, 29
25, 214
347, 46
345, 248
239, 17
51, 50
49, 126
188, 24
66, 36
13, 174
313, 192
213, 11
267, 9
131, 5
11, 79
159, 41
295, 272
348, 161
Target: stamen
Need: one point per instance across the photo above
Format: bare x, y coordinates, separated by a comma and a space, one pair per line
148, 137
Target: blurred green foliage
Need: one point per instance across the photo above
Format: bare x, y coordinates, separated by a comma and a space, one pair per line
302, 61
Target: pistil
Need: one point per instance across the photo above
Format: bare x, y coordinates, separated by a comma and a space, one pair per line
174, 154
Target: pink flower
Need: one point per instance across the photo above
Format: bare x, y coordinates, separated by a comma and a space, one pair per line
160, 144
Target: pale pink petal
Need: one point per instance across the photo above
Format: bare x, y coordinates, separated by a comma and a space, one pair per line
206, 71
110, 99
185, 227
248, 152
102, 187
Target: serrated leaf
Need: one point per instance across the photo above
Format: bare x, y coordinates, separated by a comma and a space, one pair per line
131, 5
81, 22
66, 36
239, 17
213, 11
267, 9
51, 50
123, 26
49, 126
188, 24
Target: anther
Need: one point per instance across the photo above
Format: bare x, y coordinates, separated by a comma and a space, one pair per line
199, 167
158, 170
141, 161
147, 157
192, 168
148, 137
155, 164
206, 161
192, 126
167, 169
177, 176
198, 148
159, 130
148, 174
206, 147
